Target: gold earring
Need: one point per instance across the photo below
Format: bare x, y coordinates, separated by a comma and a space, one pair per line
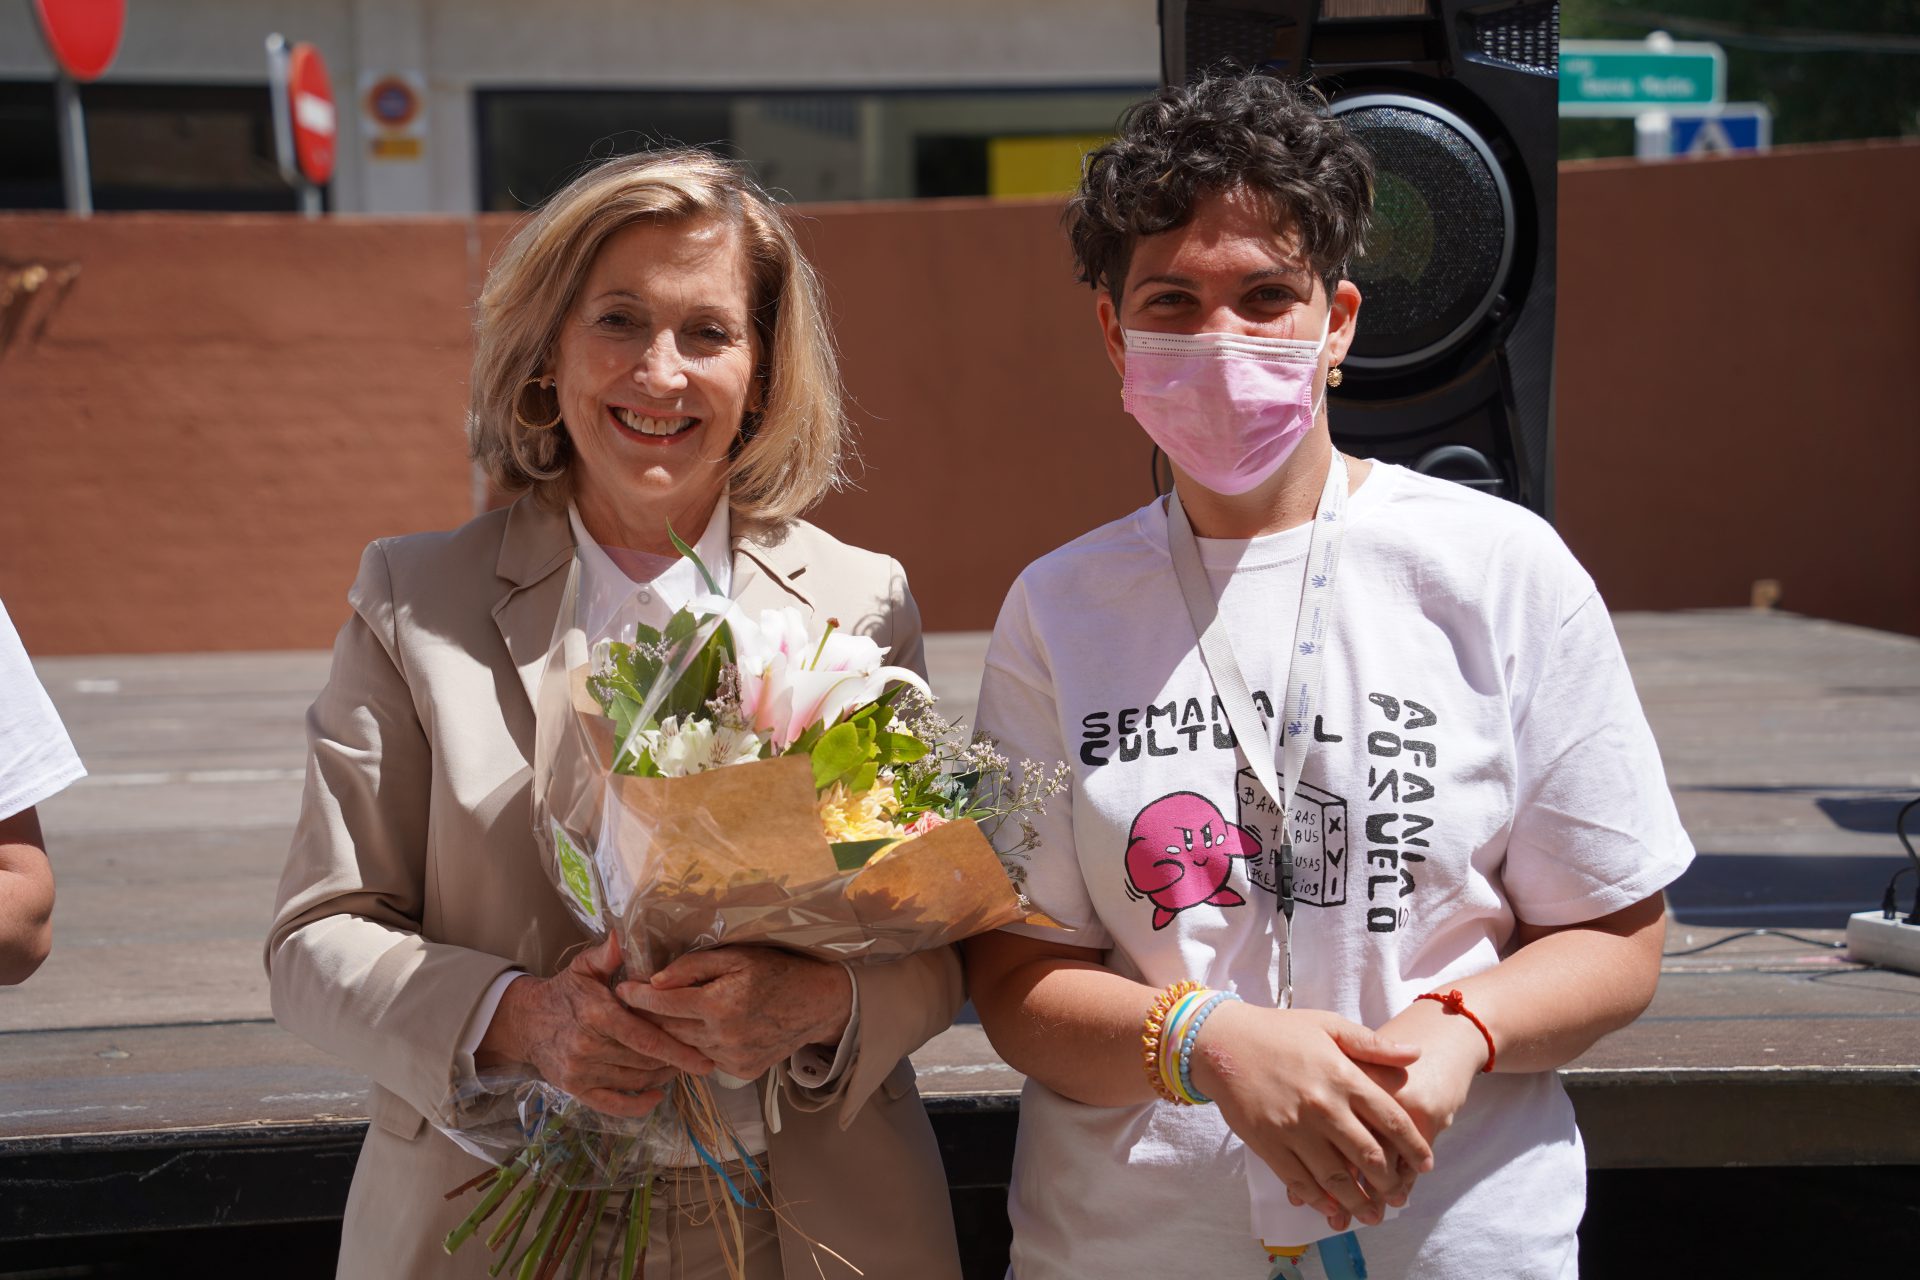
1335, 377
543, 384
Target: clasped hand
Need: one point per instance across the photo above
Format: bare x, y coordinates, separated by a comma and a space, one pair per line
1304, 1090
746, 1008
738, 1009
1346, 1117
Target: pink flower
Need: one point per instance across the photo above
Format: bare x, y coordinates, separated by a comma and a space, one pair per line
925, 822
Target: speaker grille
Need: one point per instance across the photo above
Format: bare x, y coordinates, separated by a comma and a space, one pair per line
1442, 232
1520, 35
1216, 37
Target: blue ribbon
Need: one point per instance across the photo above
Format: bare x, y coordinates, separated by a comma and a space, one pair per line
1340, 1258
707, 1159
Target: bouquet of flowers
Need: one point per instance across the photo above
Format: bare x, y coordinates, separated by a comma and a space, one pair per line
730, 780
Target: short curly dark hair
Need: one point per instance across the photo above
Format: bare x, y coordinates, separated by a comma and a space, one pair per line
1222, 133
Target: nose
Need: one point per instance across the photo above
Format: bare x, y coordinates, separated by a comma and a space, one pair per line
1223, 319
1228, 318
661, 370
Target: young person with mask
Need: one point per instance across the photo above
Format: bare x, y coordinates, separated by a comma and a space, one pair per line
1343, 738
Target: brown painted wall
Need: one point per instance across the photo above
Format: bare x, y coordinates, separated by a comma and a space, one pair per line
224, 410
222, 413
989, 418
1738, 380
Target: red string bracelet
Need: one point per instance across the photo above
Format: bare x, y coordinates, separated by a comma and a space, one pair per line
1454, 1002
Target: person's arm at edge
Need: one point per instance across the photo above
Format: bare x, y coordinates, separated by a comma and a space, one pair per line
26, 897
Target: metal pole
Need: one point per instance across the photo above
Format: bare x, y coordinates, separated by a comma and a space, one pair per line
310, 203
1653, 135
74, 175
282, 109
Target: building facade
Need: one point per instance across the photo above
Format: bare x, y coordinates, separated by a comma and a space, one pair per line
456, 106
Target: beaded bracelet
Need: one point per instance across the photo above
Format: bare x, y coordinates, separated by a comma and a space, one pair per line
1171, 1038
1152, 1029
1454, 1002
1190, 1037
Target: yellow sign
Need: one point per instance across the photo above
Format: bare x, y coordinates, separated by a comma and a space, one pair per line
401, 147
1038, 166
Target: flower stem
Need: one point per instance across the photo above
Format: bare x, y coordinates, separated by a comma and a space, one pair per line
585, 1247
833, 625
639, 1210
505, 1179
563, 1235
530, 1260
508, 1232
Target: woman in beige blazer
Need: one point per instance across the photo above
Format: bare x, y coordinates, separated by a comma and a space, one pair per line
651, 353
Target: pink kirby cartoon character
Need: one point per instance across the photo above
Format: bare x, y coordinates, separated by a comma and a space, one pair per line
1180, 853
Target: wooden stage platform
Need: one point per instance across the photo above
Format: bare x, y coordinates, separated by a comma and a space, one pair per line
143, 1060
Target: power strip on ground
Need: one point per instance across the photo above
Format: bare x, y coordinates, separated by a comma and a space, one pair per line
1874, 939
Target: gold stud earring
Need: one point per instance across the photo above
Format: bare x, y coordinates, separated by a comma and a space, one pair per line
1335, 377
543, 384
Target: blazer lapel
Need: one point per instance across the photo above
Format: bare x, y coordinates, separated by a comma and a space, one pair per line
535, 547
769, 577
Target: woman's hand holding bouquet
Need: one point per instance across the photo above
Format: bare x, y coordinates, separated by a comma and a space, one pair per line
734, 807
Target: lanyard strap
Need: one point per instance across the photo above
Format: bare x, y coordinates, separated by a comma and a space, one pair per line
1302, 691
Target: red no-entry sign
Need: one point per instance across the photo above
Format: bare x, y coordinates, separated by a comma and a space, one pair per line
314, 124
83, 34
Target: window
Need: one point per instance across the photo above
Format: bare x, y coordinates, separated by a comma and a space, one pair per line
812, 146
148, 147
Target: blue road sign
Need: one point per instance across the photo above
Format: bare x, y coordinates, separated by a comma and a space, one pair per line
1738, 126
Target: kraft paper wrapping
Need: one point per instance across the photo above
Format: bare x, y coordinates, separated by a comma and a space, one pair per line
737, 856
950, 875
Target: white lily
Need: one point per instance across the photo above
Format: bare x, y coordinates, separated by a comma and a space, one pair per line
791, 681
695, 745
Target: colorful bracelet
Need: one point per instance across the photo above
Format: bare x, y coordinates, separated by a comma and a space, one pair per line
1179, 1030
1168, 1064
1153, 1031
1453, 1002
1190, 1036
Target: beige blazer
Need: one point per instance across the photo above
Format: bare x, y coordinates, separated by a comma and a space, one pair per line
413, 882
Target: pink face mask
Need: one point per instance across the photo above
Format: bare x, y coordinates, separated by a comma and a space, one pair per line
1228, 409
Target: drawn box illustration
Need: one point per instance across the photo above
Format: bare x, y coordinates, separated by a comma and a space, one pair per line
1319, 839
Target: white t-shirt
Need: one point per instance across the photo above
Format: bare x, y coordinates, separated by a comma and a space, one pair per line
37, 759
1480, 755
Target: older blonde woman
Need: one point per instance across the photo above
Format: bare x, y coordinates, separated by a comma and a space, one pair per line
651, 352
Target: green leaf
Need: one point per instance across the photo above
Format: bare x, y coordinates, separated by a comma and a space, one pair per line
838, 753
805, 743
899, 748
862, 779
851, 855
700, 679
713, 588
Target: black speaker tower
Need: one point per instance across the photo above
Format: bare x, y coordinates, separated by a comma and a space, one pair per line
1452, 370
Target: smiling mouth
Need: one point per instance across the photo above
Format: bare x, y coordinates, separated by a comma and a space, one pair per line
651, 427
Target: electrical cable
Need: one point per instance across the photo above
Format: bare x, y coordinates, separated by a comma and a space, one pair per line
1755, 933
1889, 906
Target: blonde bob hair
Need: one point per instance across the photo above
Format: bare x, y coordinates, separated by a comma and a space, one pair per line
788, 453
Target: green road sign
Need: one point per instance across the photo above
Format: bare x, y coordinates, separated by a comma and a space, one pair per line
1628, 77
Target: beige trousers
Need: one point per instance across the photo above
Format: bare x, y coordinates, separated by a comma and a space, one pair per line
690, 1234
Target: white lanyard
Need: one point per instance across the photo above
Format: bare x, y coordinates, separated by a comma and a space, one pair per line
1302, 691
